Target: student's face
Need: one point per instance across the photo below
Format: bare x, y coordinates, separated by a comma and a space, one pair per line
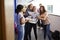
31, 7
41, 9
24, 9
34, 8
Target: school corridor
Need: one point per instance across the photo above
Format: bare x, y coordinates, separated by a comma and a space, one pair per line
7, 11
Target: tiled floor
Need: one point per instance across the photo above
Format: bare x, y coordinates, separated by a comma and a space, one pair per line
40, 35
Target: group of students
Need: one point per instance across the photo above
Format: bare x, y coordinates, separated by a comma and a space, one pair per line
27, 19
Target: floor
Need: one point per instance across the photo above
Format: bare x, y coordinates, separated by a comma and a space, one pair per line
39, 34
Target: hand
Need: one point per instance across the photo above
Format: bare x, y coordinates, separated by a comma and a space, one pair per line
26, 19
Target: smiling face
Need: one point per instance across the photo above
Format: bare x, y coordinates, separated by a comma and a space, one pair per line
34, 8
41, 8
24, 9
31, 6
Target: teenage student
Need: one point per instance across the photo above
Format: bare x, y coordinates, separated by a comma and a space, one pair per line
20, 21
33, 22
46, 22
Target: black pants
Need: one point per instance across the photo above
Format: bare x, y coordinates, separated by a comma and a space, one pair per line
26, 31
38, 23
34, 28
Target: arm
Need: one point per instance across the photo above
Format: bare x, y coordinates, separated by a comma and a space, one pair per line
22, 20
45, 16
42, 17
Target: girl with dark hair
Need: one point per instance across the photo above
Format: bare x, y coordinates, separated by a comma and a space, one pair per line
20, 21
45, 20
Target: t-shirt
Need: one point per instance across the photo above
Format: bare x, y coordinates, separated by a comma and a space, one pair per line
20, 15
47, 21
33, 17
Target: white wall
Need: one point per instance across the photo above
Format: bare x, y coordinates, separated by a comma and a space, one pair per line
9, 18
55, 3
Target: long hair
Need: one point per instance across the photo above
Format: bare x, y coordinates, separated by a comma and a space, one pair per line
29, 5
19, 8
42, 12
33, 8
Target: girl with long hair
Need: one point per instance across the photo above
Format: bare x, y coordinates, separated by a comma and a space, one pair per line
46, 22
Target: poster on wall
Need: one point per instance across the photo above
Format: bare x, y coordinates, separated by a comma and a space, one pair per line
50, 8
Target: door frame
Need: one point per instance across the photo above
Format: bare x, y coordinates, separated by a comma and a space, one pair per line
2, 21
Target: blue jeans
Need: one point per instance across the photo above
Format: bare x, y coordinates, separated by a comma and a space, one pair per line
47, 31
20, 33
